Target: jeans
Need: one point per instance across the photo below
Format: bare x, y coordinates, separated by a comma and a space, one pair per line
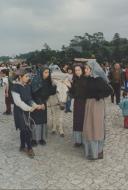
68, 104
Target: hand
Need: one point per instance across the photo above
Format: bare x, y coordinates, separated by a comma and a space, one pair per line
32, 109
43, 107
36, 106
39, 107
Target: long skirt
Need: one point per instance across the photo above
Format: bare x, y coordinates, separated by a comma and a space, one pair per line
78, 119
93, 148
39, 132
94, 128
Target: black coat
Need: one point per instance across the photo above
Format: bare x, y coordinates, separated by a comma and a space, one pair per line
78, 88
40, 97
97, 88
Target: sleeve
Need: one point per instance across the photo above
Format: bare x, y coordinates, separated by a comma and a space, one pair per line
17, 100
5, 80
104, 89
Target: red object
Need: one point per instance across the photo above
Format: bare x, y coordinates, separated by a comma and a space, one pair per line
126, 122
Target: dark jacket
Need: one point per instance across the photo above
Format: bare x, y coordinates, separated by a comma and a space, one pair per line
78, 88
112, 77
97, 88
40, 97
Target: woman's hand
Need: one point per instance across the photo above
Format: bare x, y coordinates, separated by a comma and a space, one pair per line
41, 107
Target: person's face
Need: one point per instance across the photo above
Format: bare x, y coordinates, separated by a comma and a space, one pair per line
65, 67
78, 71
87, 71
45, 74
25, 78
117, 66
69, 71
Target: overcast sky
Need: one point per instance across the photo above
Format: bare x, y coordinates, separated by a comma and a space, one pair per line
25, 25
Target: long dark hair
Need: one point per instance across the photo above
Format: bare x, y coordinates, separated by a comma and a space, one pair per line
82, 69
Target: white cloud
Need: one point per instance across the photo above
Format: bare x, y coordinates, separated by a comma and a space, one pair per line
27, 24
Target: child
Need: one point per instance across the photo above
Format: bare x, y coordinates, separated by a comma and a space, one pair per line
23, 104
124, 107
69, 99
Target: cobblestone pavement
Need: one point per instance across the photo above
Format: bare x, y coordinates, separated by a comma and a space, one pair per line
61, 166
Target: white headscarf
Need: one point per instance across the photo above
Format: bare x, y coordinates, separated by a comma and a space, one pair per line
97, 71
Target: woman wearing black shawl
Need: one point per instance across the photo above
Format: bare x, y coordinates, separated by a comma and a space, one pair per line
77, 92
42, 88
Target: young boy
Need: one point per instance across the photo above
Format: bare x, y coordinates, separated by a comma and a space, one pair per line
69, 100
124, 107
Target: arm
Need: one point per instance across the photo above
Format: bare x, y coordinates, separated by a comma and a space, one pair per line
20, 103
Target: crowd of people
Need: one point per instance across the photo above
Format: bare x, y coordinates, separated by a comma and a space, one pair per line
88, 86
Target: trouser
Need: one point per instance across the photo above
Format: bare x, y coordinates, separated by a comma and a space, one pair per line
8, 104
117, 90
68, 104
25, 138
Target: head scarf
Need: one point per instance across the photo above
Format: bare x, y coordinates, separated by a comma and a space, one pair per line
37, 81
97, 71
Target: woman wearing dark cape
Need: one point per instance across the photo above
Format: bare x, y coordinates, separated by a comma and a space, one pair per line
77, 93
42, 88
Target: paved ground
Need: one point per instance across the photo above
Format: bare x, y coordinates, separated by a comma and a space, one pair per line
61, 166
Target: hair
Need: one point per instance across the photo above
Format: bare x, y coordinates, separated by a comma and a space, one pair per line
124, 94
70, 68
22, 72
87, 65
77, 65
5, 71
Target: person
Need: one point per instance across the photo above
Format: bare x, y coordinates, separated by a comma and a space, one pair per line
23, 104
42, 88
69, 99
116, 80
124, 107
126, 78
8, 98
76, 92
93, 126
65, 68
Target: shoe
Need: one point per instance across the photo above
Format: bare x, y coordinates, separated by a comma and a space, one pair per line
23, 149
68, 111
92, 159
31, 153
100, 155
7, 113
34, 143
42, 142
78, 144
